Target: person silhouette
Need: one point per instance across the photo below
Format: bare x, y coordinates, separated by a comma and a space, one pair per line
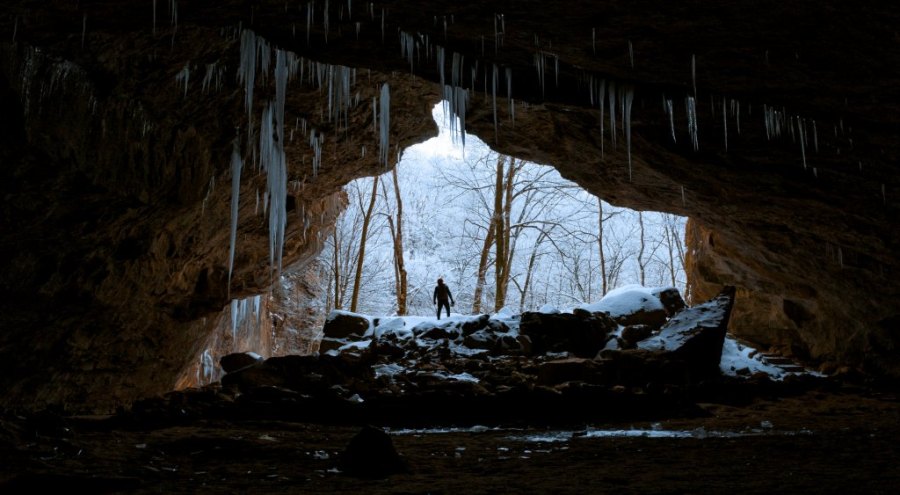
443, 298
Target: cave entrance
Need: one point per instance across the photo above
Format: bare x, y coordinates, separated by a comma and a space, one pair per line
560, 247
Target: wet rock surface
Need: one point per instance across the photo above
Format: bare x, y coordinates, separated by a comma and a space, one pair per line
802, 438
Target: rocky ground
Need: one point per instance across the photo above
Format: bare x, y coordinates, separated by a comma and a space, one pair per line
564, 402
839, 440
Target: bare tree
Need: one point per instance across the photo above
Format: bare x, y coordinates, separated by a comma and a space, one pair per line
363, 237
396, 227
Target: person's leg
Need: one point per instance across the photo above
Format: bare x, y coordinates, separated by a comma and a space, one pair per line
447, 305
439, 310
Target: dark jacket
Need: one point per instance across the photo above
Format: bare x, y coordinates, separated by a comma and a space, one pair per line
442, 293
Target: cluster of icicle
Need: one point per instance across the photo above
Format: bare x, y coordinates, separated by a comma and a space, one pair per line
334, 80
603, 92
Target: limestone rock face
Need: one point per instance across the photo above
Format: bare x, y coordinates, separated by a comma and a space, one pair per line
116, 138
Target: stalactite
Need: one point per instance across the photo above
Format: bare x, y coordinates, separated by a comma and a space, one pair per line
629, 97
236, 165
385, 123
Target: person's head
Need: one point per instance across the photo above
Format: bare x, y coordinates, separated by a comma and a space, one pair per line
440, 281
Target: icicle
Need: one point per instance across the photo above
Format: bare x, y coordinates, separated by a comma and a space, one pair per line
725, 124
184, 76
556, 69
247, 71
631, 53
694, 73
670, 110
802, 140
382, 26
236, 165
539, 66
440, 64
83, 29
629, 97
234, 318
325, 21
309, 14
738, 117
512, 105
154, 17
815, 137
691, 107
384, 123
602, 98
683, 202
612, 112
594, 40
494, 77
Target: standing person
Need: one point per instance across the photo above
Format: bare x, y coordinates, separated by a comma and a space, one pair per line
443, 298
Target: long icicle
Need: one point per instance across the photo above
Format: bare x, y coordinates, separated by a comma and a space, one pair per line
384, 123
629, 97
236, 165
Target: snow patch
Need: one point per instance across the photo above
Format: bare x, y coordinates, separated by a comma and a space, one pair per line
626, 300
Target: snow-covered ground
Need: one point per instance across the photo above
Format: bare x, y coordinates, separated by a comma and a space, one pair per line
737, 359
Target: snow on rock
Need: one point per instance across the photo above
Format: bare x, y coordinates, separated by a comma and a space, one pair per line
696, 335
631, 305
548, 309
626, 300
739, 359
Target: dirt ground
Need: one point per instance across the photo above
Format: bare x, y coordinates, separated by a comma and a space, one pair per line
819, 442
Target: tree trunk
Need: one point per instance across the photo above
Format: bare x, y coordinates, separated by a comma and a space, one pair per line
337, 271
499, 238
354, 299
400, 266
640, 257
482, 268
603, 278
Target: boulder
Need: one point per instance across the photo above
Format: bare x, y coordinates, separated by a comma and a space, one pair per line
328, 344
435, 333
507, 345
371, 454
475, 324
566, 332
239, 360
342, 324
565, 370
652, 318
696, 335
481, 339
671, 299
633, 334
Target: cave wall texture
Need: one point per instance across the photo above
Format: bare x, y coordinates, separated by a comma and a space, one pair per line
116, 179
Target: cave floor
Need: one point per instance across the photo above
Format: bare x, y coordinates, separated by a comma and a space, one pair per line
824, 442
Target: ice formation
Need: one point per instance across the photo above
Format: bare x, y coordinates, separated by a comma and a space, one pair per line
236, 164
183, 77
629, 97
384, 123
